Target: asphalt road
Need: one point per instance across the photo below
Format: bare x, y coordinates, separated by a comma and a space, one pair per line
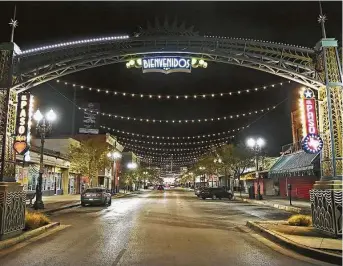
155, 229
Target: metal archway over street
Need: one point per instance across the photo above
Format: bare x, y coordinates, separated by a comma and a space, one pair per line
39, 65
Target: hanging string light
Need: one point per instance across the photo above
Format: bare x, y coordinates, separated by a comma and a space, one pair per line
173, 143
197, 152
166, 149
174, 138
180, 121
175, 97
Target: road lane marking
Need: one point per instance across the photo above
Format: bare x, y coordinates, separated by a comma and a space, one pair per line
120, 255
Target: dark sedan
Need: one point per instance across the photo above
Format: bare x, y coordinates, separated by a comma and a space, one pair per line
96, 196
215, 193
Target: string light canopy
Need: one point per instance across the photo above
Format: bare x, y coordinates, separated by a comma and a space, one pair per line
180, 121
171, 97
174, 138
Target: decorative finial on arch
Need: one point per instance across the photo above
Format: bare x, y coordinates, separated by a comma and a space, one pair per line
321, 19
14, 23
169, 29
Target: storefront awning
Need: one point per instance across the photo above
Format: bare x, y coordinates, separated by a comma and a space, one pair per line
299, 163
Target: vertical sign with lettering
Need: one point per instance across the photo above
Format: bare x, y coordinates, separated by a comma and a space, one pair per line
309, 113
24, 114
91, 119
312, 142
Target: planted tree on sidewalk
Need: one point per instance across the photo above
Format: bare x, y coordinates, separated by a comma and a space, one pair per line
88, 157
236, 158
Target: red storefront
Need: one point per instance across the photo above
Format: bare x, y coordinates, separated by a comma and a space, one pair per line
299, 169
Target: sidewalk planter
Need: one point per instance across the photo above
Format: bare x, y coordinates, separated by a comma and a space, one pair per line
12, 209
326, 207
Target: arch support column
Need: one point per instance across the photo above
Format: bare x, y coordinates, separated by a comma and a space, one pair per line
12, 196
326, 195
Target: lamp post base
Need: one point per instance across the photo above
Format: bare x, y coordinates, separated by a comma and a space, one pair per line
38, 205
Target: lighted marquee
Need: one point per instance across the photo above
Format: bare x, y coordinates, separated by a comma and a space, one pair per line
311, 143
166, 64
24, 114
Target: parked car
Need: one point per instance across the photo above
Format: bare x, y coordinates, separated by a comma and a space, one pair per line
214, 193
96, 196
198, 190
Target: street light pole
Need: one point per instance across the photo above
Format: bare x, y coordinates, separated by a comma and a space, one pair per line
256, 146
43, 127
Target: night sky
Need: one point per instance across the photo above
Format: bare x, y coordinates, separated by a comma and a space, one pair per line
287, 22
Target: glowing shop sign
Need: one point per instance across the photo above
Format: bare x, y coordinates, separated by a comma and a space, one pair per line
24, 114
312, 143
309, 113
166, 64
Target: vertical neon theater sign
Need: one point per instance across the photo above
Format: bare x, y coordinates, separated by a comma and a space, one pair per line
24, 113
312, 142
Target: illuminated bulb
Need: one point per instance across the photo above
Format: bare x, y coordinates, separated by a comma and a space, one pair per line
194, 96
98, 90
201, 62
142, 95
139, 61
204, 96
238, 92
58, 81
150, 96
221, 94
168, 96
212, 95
106, 91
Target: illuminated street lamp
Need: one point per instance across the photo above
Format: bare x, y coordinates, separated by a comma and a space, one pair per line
43, 126
256, 145
132, 165
219, 160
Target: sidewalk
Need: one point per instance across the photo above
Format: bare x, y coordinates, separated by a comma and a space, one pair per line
298, 206
305, 240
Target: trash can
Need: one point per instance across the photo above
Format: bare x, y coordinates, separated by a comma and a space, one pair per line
251, 192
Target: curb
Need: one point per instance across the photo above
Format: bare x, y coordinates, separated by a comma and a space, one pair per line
303, 250
276, 206
27, 235
61, 208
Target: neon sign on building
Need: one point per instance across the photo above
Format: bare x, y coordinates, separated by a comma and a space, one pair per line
24, 114
311, 143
